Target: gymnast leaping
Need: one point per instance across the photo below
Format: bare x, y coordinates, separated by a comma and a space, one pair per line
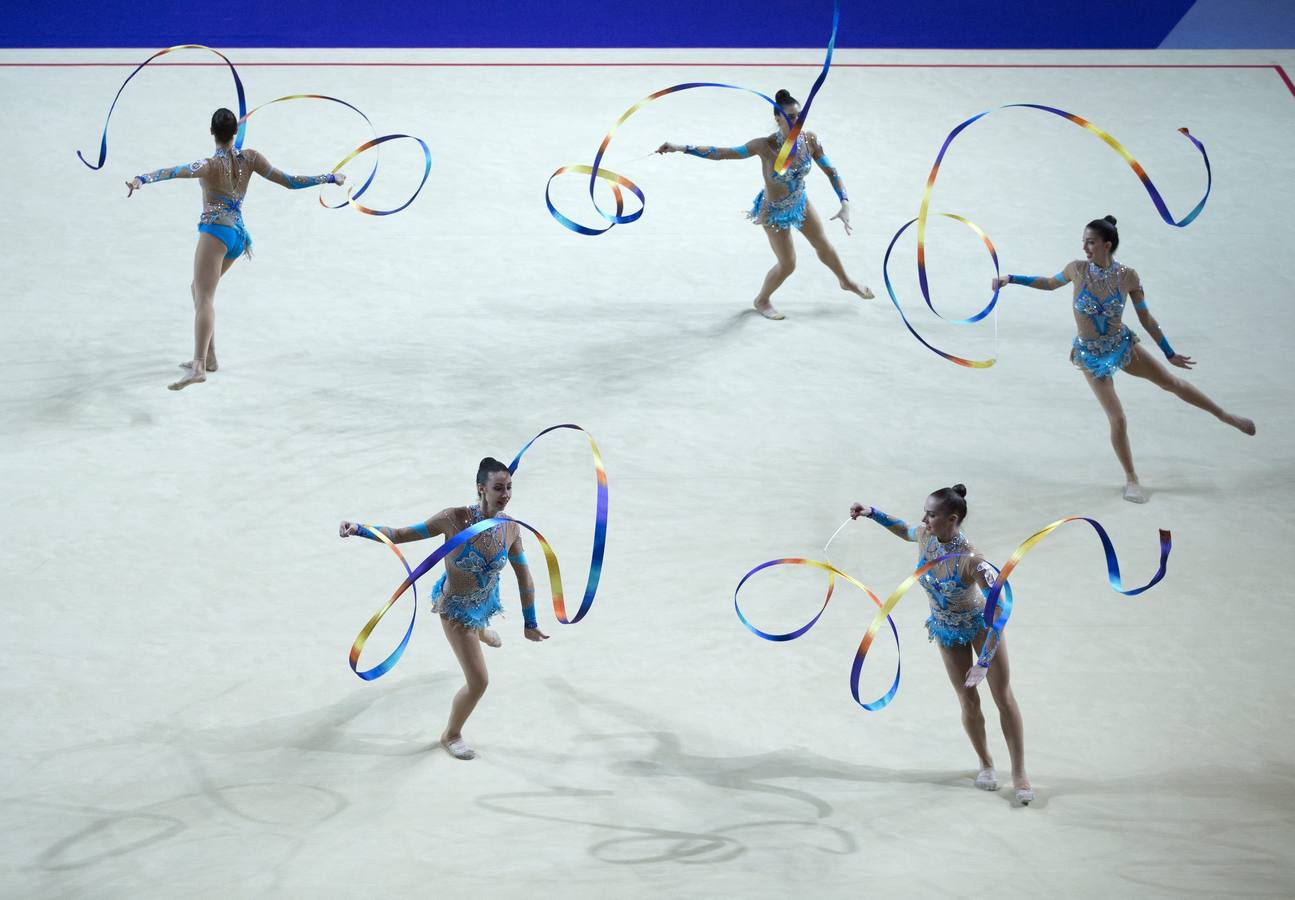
784, 204
1105, 344
957, 621
467, 595
222, 237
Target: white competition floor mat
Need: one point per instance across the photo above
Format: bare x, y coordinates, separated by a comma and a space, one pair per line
180, 719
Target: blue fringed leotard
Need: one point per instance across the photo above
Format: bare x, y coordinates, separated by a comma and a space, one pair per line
787, 211
957, 607
481, 559
1104, 344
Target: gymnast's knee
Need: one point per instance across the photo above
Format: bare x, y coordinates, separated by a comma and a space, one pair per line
478, 682
1173, 384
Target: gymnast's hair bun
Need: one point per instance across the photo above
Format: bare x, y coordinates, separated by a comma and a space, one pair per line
960, 490
784, 98
488, 467
1110, 219
224, 124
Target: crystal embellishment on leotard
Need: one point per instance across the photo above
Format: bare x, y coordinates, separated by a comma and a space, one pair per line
474, 608
787, 211
957, 609
1110, 347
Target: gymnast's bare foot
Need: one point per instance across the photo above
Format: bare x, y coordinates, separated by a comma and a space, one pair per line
490, 637
193, 374
765, 308
865, 292
1242, 424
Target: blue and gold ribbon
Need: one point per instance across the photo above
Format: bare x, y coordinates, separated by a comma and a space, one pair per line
238, 86
998, 603
1157, 200
597, 172
467, 534
244, 114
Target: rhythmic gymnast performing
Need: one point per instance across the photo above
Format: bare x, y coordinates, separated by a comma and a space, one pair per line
1105, 345
783, 205
222, 237
467, 594
957, 623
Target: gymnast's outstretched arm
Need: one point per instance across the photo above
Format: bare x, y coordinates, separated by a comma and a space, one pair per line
1038, 282
750, 148
192, 170
441, 523
526, 587
261, 166
897, 527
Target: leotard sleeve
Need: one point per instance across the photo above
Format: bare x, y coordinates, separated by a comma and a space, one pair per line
1130, 282
261, 166
192, 170
437, 524
820, 157
1044, 282
742, 151
897, 527
984, 576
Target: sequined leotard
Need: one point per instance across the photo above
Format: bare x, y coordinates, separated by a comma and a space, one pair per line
468, 591
472, 597
788, 210
957, 605
1104, 344
225, 176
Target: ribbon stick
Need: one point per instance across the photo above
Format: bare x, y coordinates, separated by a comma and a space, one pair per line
596, 171
998, 603
238, 86
1153, 192
467, 534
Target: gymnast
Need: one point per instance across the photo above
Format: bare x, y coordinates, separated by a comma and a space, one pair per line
1105, 344
957, 622
783, 204
467, 594
222, 237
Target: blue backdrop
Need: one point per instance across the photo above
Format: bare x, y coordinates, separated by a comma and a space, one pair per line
549, 23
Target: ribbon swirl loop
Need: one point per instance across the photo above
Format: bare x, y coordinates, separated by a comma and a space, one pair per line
467, 534
998, 602
597, 172
244, 114
1157, 200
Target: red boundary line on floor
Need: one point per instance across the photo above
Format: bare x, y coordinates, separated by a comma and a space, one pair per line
1281, 72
